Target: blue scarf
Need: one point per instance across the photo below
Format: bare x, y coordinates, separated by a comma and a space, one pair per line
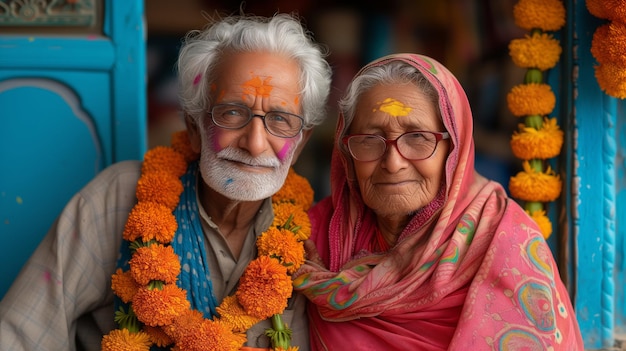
188, 244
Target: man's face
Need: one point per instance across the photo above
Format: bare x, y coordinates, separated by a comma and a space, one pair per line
249, 163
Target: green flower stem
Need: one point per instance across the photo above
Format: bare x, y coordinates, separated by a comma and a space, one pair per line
279, 334
532, 206
533, 75
127, 320
533, 121
536, 164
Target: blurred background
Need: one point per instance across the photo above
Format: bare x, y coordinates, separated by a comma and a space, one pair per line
470, 37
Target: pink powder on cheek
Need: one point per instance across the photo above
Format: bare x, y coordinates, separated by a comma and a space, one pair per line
216, 135
286, 148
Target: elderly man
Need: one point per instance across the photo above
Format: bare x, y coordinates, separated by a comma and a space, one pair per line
251, 91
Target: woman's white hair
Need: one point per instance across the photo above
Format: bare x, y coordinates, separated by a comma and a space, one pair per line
391, 73
282, 33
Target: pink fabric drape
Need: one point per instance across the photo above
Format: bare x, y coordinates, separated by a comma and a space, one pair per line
471, 271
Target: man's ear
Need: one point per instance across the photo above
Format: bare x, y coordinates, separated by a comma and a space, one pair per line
306, 135
194, 133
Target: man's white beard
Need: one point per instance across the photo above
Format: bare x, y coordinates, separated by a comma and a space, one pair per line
222, 175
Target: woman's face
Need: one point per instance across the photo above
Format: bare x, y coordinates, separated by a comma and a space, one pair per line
392, 185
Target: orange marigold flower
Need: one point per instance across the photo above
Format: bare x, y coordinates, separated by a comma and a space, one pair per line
155, 262
543, 222
180, 142
530, 185
293, 218
547, 15
150, 220
123, 340
612, 79
163, 158
613, 10
290, 348
597, 8
264, 288
158, 336
210, 335
123, 285
282, 245
296, 190
531, 143
539, 51
160, 307
182, 323
531, 99
160, 187
231, 312
609, 44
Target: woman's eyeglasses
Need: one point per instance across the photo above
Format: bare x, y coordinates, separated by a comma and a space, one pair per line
416, 145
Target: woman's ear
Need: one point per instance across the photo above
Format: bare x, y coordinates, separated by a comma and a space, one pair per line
306, 135
194, 133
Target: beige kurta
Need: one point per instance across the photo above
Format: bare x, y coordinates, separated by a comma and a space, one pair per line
62, 298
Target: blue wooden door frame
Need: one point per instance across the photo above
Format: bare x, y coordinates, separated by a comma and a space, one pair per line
112, 65
594, 195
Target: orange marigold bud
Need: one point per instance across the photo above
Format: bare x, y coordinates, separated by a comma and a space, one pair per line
163, 158
150, 220
155, 262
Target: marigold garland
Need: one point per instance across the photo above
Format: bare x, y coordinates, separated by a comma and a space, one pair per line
548, 15
122, 339
530, 143
539, 138
531, 99
608, 46
159, 312
538, 50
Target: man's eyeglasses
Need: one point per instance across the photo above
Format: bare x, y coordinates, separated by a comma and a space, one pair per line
277, 123
414, 146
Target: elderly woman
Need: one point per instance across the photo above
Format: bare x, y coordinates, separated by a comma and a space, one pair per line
423, 253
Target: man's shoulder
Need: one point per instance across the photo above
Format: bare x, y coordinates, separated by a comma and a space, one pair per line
129, 168
116, 177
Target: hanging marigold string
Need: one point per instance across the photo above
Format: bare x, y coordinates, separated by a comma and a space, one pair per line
159, 312
608, 46
538, 138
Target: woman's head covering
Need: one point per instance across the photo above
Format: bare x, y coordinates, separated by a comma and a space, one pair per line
457, 119
471, 270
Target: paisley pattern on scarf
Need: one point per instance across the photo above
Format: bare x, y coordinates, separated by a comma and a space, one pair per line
535, 300
519, 340
538, 256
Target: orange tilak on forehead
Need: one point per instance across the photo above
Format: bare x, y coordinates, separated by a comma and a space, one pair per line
393, 108
258, 87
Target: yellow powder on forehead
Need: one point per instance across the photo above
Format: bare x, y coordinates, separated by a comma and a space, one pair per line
257, 86
394, 108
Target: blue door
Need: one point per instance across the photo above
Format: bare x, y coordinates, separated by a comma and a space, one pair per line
591, 231
72, 101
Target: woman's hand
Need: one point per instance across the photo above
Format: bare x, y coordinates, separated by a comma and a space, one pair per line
311, 254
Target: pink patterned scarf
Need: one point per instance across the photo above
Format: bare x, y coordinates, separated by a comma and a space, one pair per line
470, 271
